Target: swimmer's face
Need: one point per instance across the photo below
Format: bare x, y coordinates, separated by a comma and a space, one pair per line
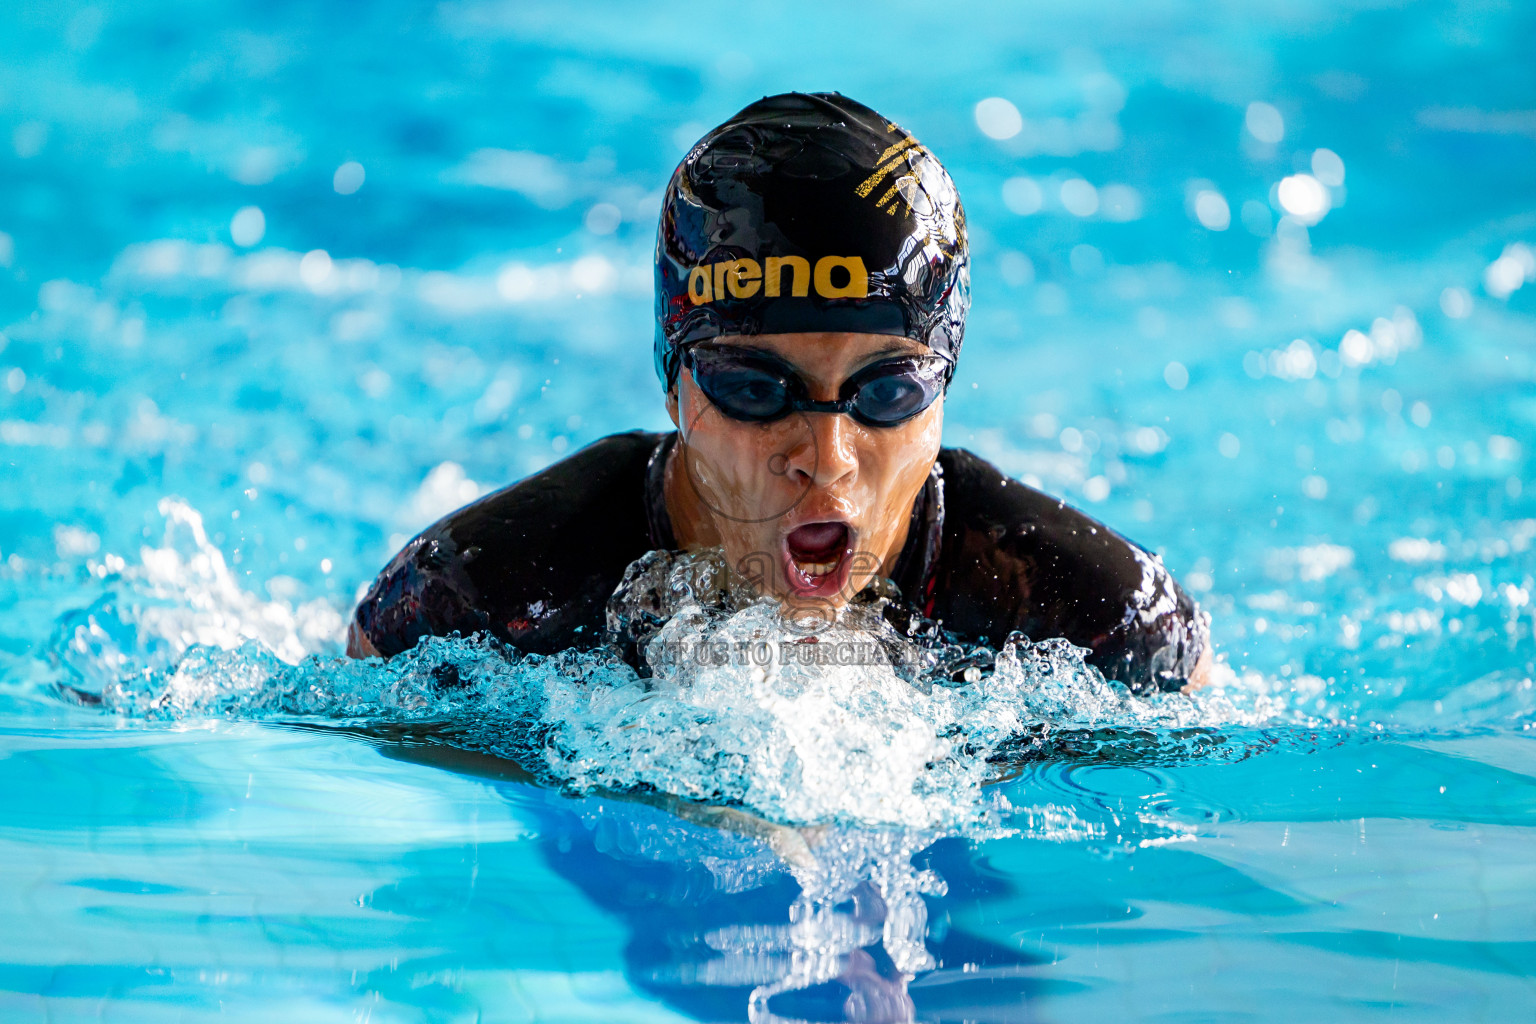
813, 505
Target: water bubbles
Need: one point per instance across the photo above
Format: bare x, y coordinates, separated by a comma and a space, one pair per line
1416, 550
603, 219
445, 488
1387, 337
1503, 448
1296, 361
374, 381
1211, 210
1229, 445
1456, 303
592, 274
1043, 424
1419, 413
1308, 563
315, 271
1304, 197
1026, 196
516, 282
74, 541
1328, 168
1079, 198
1264, 123
1146, 440
498, 396
1120, 203
998, 118
248, 226
1176, 376
1514, 267
348, 178
1355, 348
1022, 196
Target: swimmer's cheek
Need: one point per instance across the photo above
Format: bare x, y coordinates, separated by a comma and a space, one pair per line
358, 644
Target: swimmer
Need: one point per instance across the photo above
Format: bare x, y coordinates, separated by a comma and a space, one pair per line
812, 286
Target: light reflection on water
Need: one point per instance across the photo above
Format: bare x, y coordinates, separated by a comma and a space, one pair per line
1258, 297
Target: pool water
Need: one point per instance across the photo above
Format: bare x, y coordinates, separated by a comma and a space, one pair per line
280, 284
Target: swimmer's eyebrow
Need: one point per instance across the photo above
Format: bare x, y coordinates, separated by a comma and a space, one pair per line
894, 349
765, 353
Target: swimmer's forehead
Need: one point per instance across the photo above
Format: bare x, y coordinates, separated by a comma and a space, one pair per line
824, 341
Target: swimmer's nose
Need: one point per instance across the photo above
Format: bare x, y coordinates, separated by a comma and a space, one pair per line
825, 454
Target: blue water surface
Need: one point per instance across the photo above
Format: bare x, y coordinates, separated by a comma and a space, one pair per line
281, 283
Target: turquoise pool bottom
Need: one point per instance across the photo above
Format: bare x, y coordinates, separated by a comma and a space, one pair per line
198, 871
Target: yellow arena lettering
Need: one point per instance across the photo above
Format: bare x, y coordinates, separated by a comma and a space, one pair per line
858, 278
743, 278
699, 290
799, 275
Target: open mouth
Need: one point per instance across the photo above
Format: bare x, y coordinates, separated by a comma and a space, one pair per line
816, 557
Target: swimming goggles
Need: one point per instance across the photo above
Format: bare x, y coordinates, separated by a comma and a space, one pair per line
755, 387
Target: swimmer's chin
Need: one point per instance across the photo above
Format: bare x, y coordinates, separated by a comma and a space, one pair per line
359, 645
1201, 676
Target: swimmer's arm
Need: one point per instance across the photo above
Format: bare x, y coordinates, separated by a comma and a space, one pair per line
421, 592
792, 844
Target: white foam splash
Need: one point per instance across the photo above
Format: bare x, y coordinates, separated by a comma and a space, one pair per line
210, 606
182, 595
854, 723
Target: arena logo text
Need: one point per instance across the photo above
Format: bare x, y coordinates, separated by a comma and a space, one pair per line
743, 278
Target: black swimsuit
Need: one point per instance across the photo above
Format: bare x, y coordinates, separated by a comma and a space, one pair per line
535, 563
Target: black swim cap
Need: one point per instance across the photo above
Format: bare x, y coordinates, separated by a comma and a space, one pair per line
809, 212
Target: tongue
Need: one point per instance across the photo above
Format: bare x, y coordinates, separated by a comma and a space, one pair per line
817, 541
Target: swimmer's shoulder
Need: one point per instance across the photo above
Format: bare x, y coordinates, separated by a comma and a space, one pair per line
1015, 558
532, 563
